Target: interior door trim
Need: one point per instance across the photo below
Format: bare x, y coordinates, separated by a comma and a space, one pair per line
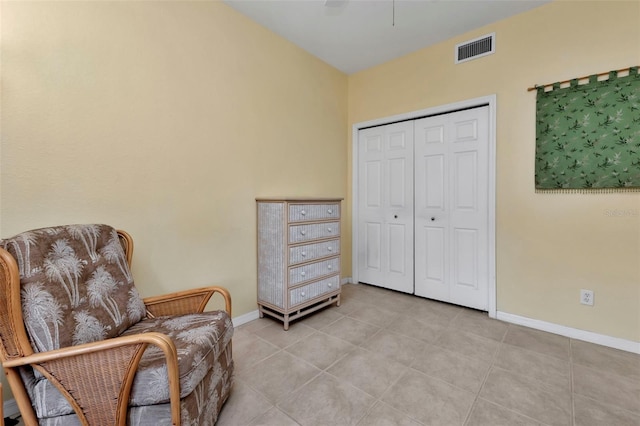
489, 100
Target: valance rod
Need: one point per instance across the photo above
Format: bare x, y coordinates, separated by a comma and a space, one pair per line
579, 78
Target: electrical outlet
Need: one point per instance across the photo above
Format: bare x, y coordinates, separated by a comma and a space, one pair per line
586, 297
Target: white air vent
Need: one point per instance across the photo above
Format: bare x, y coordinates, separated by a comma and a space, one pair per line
476, 48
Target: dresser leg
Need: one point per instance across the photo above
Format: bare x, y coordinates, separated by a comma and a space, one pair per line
338, 303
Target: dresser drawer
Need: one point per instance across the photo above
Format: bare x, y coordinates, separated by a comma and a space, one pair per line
313, 271
313, 231
309, 292
306, 212
308, 252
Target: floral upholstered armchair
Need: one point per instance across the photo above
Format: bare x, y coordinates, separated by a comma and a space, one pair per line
79, 345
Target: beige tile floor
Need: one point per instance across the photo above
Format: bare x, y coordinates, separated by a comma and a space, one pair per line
385, 358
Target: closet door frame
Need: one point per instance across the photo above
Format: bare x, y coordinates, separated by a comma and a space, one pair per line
490, 101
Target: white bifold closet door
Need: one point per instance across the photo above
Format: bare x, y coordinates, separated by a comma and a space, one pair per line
385, 206
451, 207
423, 207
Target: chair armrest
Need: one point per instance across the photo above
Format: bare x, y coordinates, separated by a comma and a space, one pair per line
185, 302
96, 378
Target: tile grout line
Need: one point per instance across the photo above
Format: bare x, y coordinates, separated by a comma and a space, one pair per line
491, 368
408, 367
282, 350
261, 395
449, 326
376, 399
486, 376
388, 389
573, 401
325, 370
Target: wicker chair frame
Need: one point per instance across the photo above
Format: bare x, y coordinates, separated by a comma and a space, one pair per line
95, 378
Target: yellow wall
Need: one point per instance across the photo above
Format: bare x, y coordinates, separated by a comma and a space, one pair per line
166, 119
548, 246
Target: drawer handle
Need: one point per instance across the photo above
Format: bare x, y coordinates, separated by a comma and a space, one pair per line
329, 284
303, 232
302, 212
329, 211
329, 266
302, 294
330, 248
303, 254
329, 230
303, 273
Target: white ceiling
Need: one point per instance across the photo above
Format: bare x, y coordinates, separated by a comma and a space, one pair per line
353, 35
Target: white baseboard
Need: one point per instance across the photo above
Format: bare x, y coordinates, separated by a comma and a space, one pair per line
10, 408
574, 333
243, 319
346, 280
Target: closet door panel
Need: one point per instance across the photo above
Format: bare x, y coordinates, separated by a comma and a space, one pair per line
397, 183
373, 178
385, 206
373, 247
465, 259
451, 197
431, 209
397, 248
465, 184
469, 150
431, 270
432, 180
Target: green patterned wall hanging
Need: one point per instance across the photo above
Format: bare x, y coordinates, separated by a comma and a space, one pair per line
588, 135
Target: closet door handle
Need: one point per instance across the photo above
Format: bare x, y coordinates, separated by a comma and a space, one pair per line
432, 219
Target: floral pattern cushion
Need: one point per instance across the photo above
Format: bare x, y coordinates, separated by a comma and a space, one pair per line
200, 408
76, 285
201, 340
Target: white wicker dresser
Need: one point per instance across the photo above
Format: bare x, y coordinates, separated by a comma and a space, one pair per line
298, 256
